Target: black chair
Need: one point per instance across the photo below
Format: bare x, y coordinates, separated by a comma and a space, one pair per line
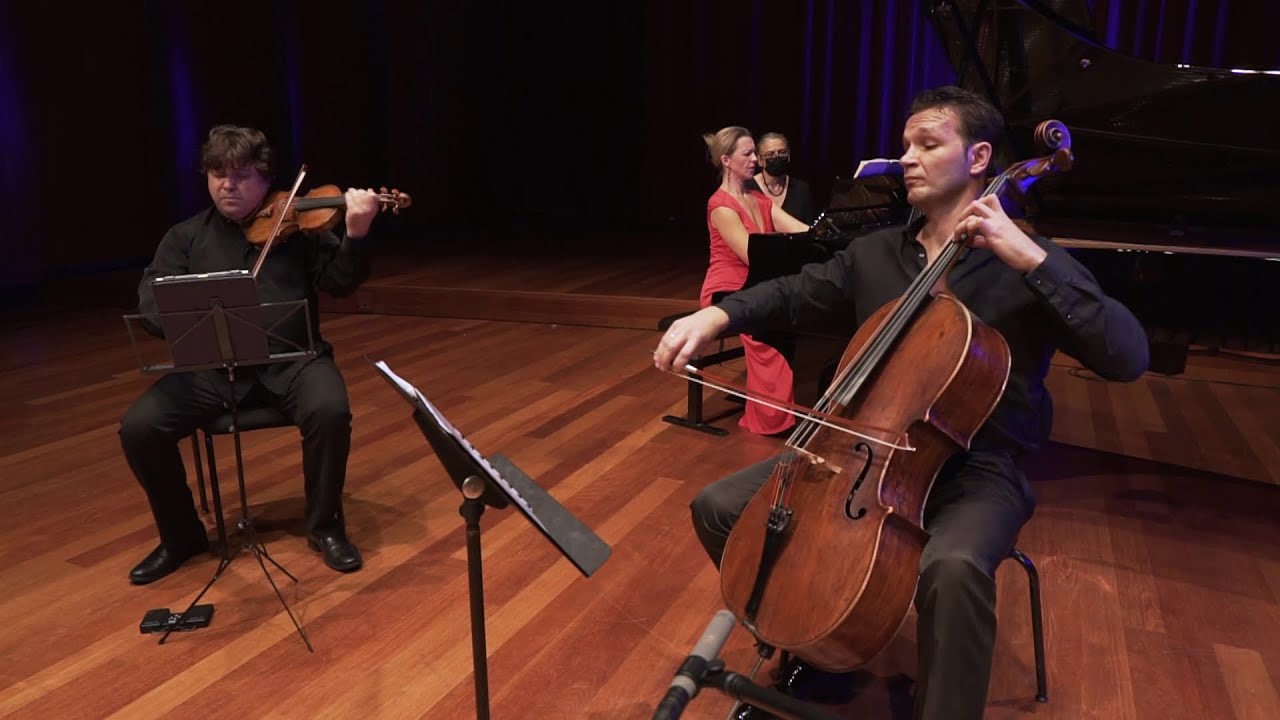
1037, 623
693, 418
251, 418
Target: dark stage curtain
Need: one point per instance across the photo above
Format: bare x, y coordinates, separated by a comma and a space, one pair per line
1213, 33
578, 118
834, 77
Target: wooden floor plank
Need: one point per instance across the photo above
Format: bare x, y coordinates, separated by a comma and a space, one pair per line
1253, 695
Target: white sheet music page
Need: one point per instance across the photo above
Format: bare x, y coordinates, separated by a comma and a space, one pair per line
412, 394
878, 166
409, 391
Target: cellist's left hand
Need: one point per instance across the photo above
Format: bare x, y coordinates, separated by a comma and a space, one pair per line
987, 226
362, 208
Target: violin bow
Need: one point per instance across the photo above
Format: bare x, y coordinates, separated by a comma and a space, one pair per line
275, 231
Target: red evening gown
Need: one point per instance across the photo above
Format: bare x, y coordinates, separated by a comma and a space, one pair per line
768, 373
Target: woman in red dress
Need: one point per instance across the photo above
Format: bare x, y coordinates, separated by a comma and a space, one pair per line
734, 212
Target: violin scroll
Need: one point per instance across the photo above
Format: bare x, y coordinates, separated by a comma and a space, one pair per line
393, 200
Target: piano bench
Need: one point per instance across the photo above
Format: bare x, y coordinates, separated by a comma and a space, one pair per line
693, 417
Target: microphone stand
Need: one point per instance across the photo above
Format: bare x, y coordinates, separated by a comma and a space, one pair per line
704, 668
742, 689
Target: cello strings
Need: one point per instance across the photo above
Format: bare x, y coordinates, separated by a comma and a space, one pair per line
854, 376
906, 310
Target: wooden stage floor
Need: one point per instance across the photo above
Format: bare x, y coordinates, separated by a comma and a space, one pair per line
1216, 416
1156, 531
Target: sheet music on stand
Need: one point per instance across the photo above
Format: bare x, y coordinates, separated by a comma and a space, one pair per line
418, 400
878, 166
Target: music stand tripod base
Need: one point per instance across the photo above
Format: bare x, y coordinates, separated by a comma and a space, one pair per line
244, 526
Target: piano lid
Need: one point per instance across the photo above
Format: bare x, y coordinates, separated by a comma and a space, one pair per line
1165, 155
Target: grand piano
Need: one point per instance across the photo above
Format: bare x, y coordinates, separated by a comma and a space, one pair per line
1172, 199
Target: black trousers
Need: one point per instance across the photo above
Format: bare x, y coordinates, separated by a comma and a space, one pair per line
978, 504
315, 398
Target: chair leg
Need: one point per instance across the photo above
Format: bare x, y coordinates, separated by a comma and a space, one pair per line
1037, 623
218, 518
195, 453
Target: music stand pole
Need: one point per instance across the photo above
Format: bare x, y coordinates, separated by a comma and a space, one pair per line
497, 482
245, 523
472, 507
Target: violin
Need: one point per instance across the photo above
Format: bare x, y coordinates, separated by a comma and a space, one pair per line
319, 209
824, 559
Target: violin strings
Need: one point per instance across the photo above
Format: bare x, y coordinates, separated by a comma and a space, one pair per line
313, 203
307, 203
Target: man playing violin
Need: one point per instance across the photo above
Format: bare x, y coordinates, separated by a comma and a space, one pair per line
1031, 291
237, 163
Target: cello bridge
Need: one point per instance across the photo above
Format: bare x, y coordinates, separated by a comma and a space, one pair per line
818, 460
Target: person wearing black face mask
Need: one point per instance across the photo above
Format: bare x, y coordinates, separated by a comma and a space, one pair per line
784, 190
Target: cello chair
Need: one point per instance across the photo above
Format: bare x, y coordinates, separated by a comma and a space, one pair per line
1037, 623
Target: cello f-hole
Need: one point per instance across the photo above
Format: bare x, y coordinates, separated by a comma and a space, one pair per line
862, 475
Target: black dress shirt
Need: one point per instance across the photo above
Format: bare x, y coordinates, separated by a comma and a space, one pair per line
1058, 305
298, 268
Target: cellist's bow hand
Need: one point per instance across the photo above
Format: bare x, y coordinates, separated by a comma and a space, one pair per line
985, 225
687, 336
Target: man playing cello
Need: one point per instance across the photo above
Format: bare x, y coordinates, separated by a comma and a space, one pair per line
1028, 289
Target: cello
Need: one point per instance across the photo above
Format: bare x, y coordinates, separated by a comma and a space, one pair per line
823, 561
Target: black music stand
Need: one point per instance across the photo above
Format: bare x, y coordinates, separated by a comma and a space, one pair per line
496, 482
214, 321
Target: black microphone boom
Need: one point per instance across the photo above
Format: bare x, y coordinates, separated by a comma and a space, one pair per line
684, 686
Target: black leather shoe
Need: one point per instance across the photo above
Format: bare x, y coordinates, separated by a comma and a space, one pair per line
803, 681
339, 553
806, 683
163, 561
